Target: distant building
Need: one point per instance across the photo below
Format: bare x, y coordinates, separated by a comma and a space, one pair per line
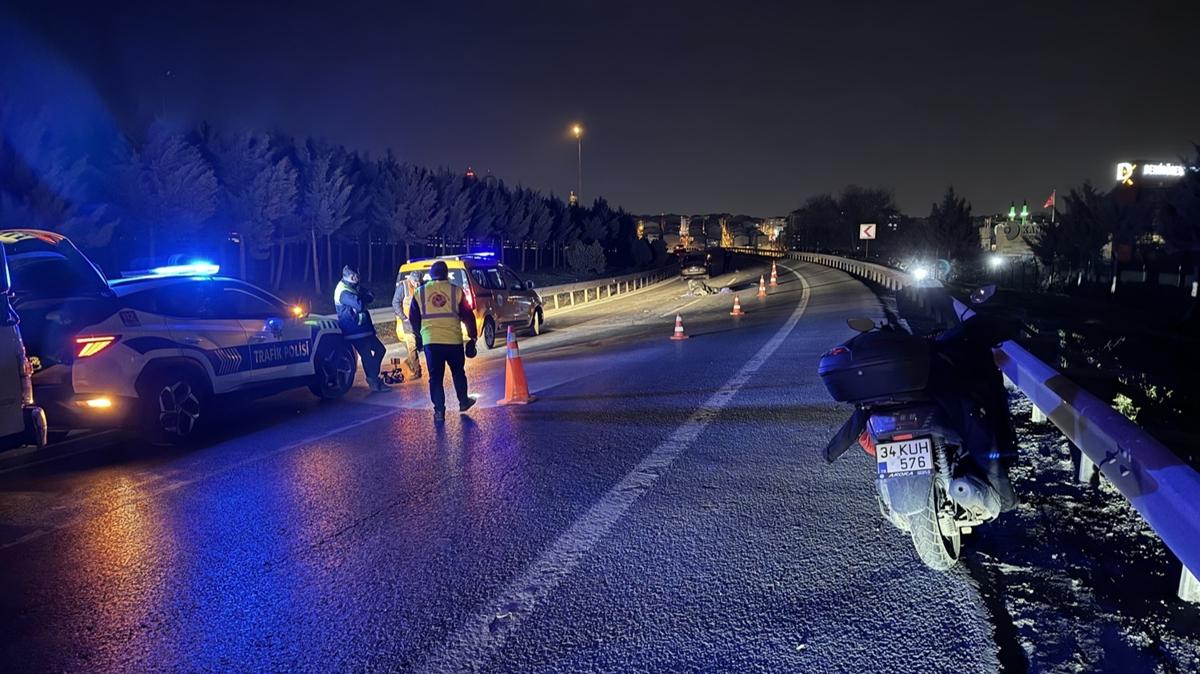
772, 228
1010, 233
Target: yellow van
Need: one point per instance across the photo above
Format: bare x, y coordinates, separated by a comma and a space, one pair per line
497, 295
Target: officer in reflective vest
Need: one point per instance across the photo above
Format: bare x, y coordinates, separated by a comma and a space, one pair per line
351, 300
406, 290
435, 314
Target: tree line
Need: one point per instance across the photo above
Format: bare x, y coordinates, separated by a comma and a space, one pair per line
830, 223
283, 210
1160, 224
1091, 230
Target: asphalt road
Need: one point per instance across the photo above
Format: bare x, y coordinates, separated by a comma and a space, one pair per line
661, 507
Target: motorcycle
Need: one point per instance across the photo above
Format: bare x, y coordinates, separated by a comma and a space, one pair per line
933, 413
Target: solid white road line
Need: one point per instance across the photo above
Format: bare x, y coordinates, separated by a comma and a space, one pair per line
677, 310
471, 647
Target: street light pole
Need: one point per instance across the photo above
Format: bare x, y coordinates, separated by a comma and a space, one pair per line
577, 129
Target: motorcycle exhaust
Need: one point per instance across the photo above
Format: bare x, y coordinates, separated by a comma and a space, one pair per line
975, 496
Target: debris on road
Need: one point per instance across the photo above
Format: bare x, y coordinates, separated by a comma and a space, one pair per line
699, 288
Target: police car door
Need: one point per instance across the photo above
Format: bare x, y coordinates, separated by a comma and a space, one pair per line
205, 332
280, 345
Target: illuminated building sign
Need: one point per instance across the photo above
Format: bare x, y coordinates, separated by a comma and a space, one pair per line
1175, 170
1129, 172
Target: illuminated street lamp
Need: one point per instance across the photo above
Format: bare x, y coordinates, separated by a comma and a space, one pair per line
577, 131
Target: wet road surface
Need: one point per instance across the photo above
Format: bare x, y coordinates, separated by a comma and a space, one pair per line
662, 506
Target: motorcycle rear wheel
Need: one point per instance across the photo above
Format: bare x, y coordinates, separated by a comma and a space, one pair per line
934, 532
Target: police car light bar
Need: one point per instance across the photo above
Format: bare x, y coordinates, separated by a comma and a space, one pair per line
192, 269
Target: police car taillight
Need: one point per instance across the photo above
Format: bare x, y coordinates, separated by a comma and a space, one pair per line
470, 298
90, 346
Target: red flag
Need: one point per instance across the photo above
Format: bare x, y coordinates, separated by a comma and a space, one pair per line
1050, 201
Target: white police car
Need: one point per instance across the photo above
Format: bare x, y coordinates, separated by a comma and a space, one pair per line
183, 337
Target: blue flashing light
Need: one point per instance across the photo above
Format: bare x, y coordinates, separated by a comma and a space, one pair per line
190, 269
485, 253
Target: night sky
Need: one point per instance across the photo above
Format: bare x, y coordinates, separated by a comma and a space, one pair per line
689, 106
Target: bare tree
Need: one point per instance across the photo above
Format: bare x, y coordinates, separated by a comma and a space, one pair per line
168, 185
325, 199
259, 189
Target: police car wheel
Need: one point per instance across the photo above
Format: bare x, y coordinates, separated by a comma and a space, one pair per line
335, 368
489, 333
176, 406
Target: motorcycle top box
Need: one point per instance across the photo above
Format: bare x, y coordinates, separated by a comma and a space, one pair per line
876, 365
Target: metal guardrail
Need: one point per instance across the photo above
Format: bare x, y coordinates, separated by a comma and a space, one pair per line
591, 291
1163, 488
586, 291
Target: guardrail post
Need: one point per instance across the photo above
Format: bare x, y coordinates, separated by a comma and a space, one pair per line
555, 300
1088, 472
572, 298
1189, 587
1037, 416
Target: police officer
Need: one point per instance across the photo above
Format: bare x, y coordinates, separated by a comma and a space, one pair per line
351, 300
435, 314
406, 290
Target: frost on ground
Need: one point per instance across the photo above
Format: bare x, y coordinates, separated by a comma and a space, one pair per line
1075, 579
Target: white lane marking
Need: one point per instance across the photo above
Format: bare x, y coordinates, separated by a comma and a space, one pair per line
176, 484
471, 647
679, 309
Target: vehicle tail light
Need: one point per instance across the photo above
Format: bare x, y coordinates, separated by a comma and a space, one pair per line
865, 441
470, 298
837, 351
90, 346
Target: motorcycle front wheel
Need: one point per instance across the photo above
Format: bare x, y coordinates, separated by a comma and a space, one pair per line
935, 533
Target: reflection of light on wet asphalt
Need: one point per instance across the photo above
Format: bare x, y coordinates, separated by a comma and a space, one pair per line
486, 382
128, 550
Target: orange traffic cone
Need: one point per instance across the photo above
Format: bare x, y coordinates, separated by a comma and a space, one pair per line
679, 334
762, 286
774, 276
737, 307
516, 389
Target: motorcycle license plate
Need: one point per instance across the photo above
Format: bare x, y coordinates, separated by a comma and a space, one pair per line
904, 458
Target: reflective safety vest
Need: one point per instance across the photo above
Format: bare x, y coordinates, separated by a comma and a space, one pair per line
410, 292
340, 288
355, 321
439, 313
